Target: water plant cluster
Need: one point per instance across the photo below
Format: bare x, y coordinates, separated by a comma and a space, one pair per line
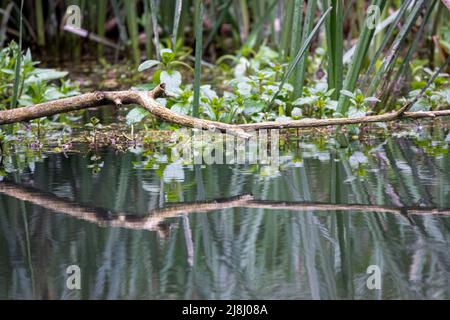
103, 189
247, 89
262, 61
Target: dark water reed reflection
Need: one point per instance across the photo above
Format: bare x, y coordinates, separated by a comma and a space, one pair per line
144, 228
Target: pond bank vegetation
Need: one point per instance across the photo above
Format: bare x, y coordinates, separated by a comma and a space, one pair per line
327, 72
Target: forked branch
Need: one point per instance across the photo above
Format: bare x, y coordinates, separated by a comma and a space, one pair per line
148, 101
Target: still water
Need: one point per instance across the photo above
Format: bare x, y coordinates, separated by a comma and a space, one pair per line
139, 227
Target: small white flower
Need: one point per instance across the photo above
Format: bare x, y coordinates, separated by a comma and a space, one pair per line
244, 88
296, 112
207, 92
241, 68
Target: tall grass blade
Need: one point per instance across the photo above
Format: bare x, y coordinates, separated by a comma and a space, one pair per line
154, 12
254, 34
130, 8
396, 45
245, 19
405, 62
4, 25
102, 5
360, 52
176, 21
223, 12
386, 37
299, 71
120, 24
296, 31
198, 54
148, 28
17, 72
40, 23
335, 46
301, 52
287, 28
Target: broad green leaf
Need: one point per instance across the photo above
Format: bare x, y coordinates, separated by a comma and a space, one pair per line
136, 115
148, 64
371, 99
181, 108
305, 100
348, 93
167, 56
45, 75
172, 81
252, 107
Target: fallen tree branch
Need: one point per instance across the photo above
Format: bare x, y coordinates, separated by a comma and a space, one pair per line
312, 123
147, 101
155, 218
118, 98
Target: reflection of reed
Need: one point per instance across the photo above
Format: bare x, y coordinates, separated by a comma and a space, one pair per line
106, 218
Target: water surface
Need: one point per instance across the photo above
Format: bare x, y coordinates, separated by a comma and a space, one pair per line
236, 231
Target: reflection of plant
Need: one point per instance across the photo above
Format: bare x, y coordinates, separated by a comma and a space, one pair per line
94, 125
96, 164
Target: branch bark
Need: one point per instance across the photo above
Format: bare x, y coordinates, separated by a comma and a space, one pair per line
147, 101
118, 98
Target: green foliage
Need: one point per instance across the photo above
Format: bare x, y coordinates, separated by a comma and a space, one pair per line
248, 88
437, 96
317, 101
37, 84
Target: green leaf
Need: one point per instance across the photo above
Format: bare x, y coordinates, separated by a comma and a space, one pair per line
167, 56
172, 81
148, 64
348, 93
252, 107
45, 75
421, 105
181, 108
136, 115
371, 99
418, 85
144, 87
305, 100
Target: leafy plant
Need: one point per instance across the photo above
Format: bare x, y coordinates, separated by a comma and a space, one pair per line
37, 84
318, 101
359, 105
436, 96
94, 126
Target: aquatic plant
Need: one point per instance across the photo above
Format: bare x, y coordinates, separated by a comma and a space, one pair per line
362, 43
36, 85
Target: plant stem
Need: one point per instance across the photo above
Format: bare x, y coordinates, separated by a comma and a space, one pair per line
198, 55
102, 4
40, 23
130, 8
